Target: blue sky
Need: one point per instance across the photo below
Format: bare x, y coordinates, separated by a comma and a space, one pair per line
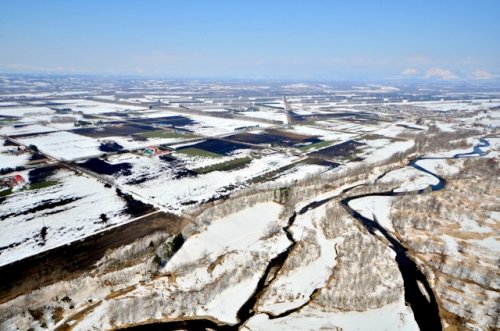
314, 39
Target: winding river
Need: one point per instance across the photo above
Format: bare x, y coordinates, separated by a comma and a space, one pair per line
423, 305
426, 312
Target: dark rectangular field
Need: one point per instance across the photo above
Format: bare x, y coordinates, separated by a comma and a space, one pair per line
176, 121
121, 130
345, 149
274, 138
222, 147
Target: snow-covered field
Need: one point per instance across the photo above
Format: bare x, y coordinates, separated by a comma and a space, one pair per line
164, 190
8, 157
300, 171
394, 316
393, 130
409, 179
382, 149
131, 143
8, 160
321, 133
25, 111
235, 232
212, 126
24, 129
70, 209
268, 114
215, 271
441, 167
94, 107
9, 103
214, 110
446, 106
64, 145
453, 152
375, 208
354, 128
296, 282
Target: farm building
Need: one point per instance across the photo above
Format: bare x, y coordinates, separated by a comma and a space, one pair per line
154, 150
12, 181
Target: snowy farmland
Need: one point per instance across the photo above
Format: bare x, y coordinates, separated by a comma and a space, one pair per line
90, 107
64, 145
69, 208
210, 126
205, 205
10, 158
174, 185
25, 111
24, 129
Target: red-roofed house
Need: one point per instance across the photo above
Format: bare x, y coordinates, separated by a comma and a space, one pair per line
18, 180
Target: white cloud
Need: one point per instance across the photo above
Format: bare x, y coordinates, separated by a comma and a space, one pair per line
410, 72
482, 74
439, 73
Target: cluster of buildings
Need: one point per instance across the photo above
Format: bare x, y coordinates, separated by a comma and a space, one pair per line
10, 182
155, 150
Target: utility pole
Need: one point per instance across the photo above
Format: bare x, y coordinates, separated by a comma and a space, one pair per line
289, 118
